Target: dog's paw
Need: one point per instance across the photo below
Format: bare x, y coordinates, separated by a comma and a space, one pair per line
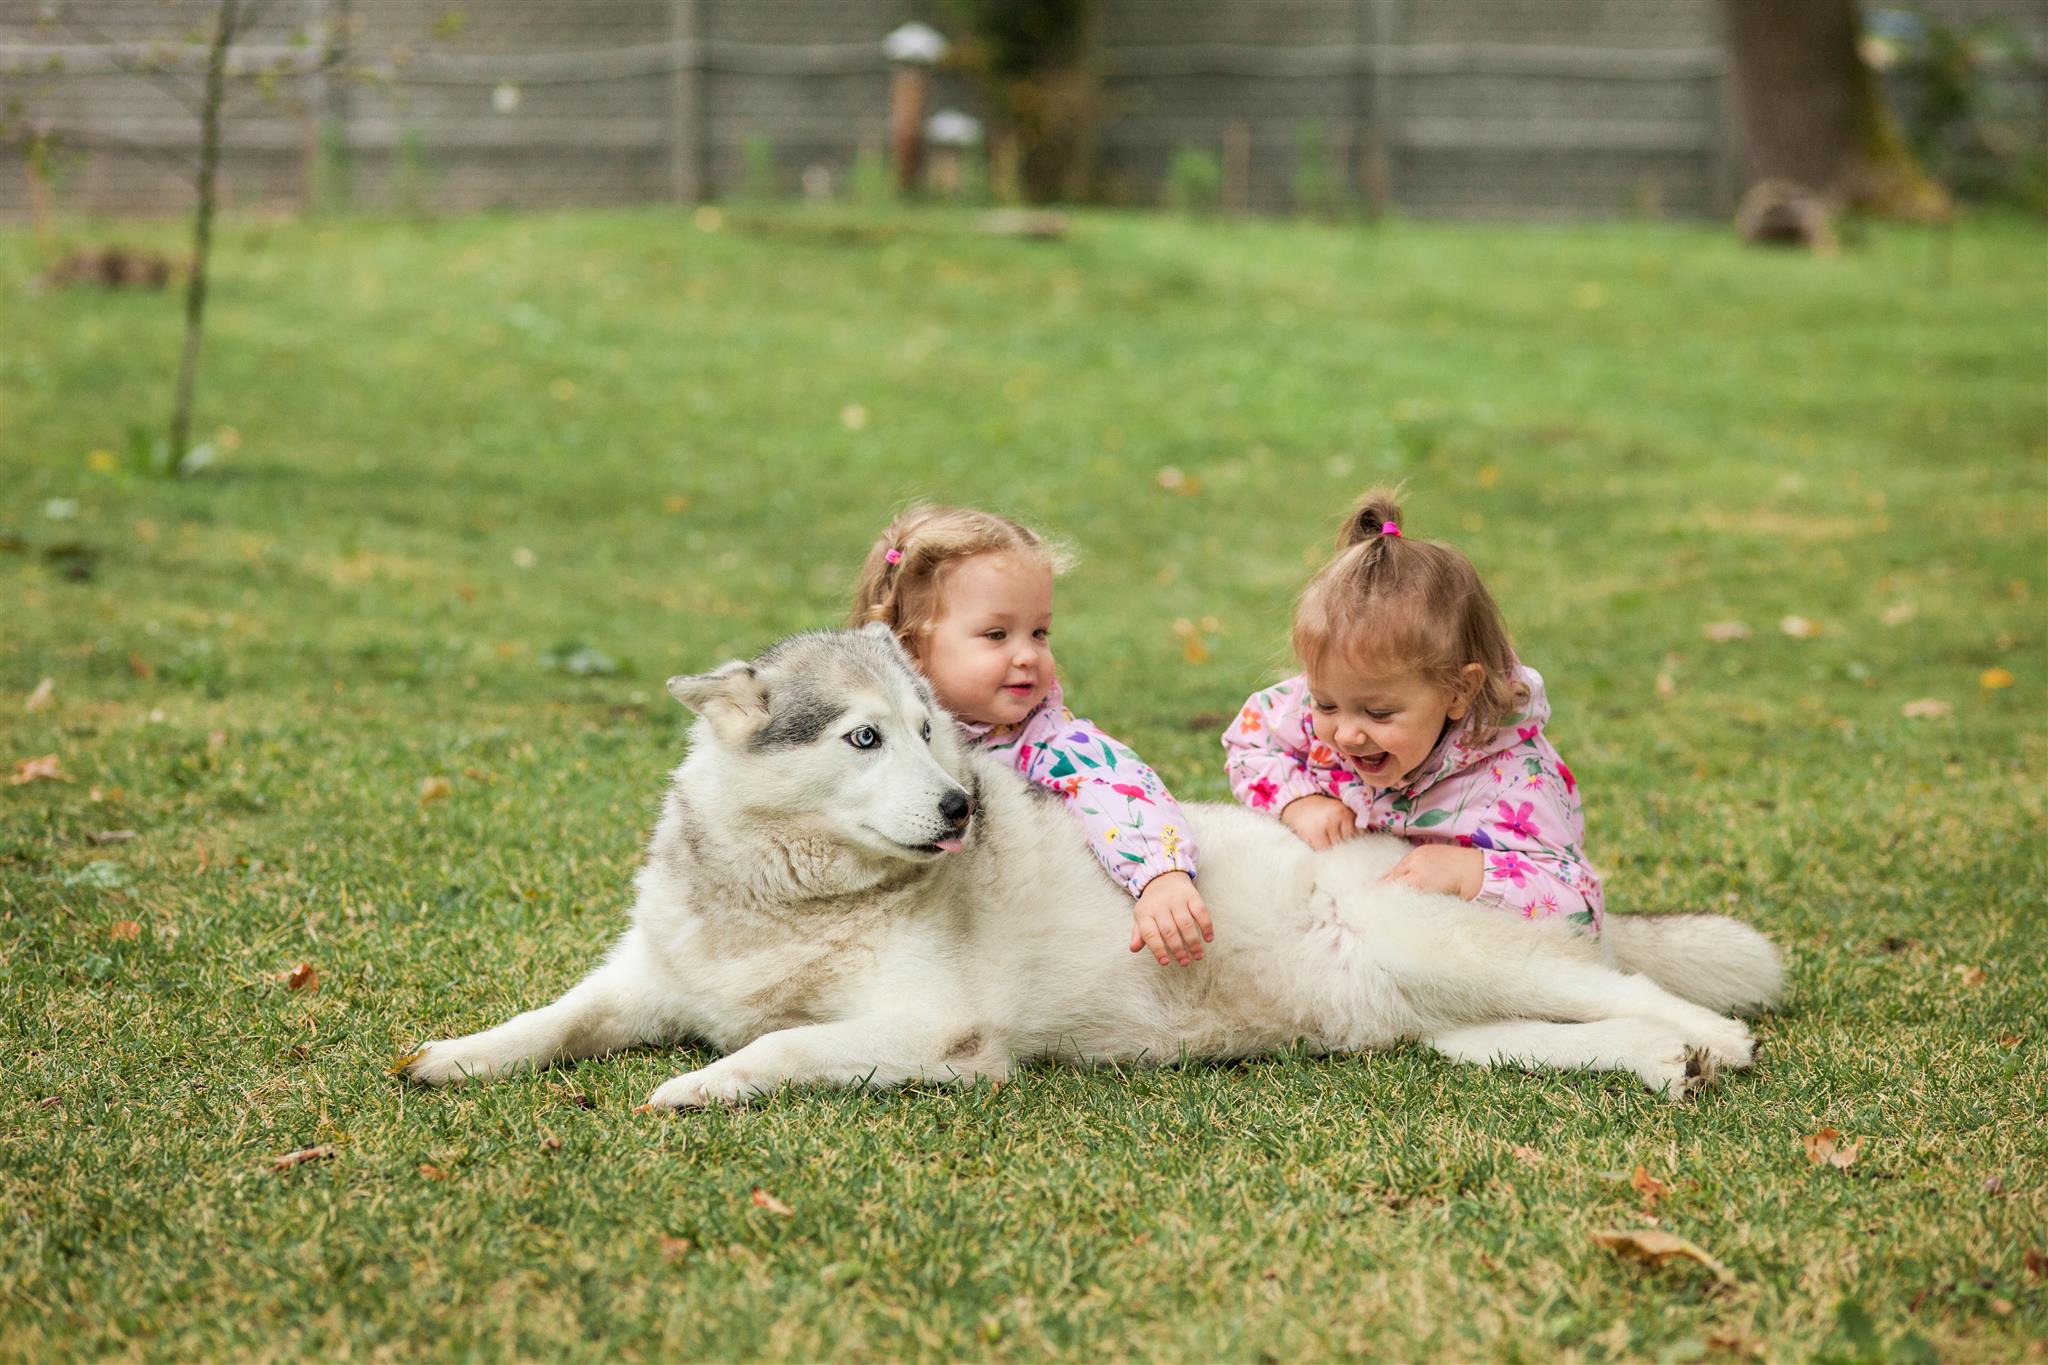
448, 1061
1727, 1043
703, 1088
1680, 1073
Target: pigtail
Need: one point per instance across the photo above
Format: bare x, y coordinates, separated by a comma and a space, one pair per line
899, 579
1375, 517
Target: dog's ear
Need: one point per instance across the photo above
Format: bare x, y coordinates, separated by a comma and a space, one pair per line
731, 696
877, 630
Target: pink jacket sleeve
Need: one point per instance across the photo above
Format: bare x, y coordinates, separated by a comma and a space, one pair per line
1530, 844
1134, 826
1266, 750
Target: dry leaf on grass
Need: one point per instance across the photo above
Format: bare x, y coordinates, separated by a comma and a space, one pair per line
124, 930
1192, 647
43, 698
673, 1249
1992, 679
434, 789
1927, 708
2009, 1040
45, 769
1825, 1148
1528, 1156
550, 1143
57, 1102
675, 503
1722, 632
110, 836
302, 978
765, 1200
433, 1172
1667, 686
1656, 1247
301, 1157
2037, 1264
1798, 628
1898, 613
1973, 976
1648, 1186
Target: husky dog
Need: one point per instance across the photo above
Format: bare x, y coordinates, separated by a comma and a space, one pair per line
840, 890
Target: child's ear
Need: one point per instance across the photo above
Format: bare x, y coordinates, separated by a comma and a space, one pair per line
731, 696
1471, 678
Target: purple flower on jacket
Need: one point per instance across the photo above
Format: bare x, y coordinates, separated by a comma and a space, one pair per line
1478, 839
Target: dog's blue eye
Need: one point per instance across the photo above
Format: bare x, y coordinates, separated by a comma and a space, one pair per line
867, 737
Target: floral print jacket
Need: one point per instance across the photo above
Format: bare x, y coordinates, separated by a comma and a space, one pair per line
1134, 827
1511, 797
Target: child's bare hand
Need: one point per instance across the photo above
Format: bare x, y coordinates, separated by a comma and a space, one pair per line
1171, 920
1442, 868
1321, 820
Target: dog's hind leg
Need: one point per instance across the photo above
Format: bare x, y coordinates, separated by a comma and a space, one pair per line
621, 1004
877, 1050
1648, 1047
1456, 965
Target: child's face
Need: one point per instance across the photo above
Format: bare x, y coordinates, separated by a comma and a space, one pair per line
989, 653
1384, 723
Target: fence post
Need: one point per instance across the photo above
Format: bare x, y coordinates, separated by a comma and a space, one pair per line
685, 105
1383, 136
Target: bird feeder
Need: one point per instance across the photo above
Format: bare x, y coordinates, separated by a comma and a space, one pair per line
913, 50
951, 135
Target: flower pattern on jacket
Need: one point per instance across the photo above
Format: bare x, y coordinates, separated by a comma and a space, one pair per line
1510, 796
1135, 828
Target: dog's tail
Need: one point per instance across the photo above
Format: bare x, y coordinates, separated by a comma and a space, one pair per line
1710, 960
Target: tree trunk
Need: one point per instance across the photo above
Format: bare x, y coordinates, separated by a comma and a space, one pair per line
202, 228
1813, 113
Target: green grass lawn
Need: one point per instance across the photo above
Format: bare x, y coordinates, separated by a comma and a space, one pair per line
468, 463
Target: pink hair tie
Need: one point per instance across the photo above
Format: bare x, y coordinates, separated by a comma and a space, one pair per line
1388, 528
893, 555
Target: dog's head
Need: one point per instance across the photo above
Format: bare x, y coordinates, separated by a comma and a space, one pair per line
837, 731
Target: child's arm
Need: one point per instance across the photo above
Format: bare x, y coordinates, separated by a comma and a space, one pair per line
1134, 826
1267, 765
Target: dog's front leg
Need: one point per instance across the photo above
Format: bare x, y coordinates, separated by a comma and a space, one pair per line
623, 1003
878, 1050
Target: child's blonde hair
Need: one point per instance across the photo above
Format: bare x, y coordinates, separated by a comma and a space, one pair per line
903, 578
1387, 601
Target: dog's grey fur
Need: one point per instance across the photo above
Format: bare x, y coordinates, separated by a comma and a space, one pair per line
795, 911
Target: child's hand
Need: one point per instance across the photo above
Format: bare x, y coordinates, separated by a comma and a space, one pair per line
1170, 918
1321, 820
1442, 868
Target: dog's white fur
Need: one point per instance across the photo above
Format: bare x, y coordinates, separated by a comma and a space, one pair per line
793, 912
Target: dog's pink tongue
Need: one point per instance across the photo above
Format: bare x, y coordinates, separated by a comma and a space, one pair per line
947, 845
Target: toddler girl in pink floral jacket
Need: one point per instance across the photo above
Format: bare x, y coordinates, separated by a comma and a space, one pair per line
969, 594
1412, 716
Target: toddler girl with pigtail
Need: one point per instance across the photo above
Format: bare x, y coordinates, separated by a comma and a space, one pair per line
969, 595
1412, 716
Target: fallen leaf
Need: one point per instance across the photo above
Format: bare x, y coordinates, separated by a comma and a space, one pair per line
1798, 627
523, 558
2002, 1307
57, 1102
1825, 1148
110, 836
1657, 1247
1927, 708
765, 1200
434, 789
1992, 679
2036, 1261
1972, 976
43, 698
1995, 1185
673, 1249
550, 1143
1528, 1156
1488, 476
1722, 632
675, 503
1667, 686
141, 667
1898, 613
2009, 1040
853, 417
1192, 647
301, 1157
302, 978
44, 769
124, 930
1648, 1186
433, 1172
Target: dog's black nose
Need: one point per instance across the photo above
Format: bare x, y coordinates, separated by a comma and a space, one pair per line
955, 807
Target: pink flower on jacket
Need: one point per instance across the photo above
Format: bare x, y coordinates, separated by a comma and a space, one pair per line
1263, 791
1249, 721
1513, 867
1570, 783
1525, 733
1519, 820
1126, 789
